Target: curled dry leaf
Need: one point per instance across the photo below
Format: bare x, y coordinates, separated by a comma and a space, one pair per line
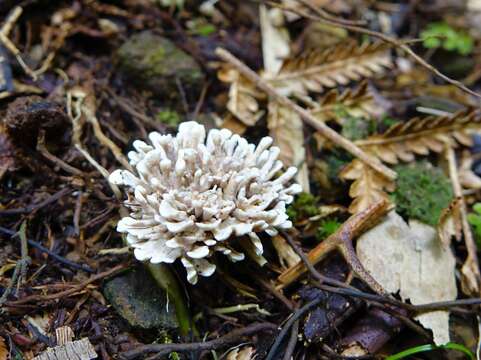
450, 223
247, 353
357, 102
285, 127
368, 187
419, 136
411, 260
243, 96
337, 65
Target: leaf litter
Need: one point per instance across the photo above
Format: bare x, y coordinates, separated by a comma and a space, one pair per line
384, 132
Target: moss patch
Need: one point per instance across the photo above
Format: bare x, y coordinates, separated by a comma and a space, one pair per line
422, 192
303, 207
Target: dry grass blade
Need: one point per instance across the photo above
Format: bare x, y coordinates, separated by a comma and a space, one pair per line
419, 136
243, 96
285, 127
357, 102
369, 187
316, 70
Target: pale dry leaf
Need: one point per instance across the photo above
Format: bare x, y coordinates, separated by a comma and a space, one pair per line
243, 96
313, 71
4, 353
411, 260
419, 136
287, 256
247, 353
285, 127
40, 321
368, 187
357, 102
450, 224
467, 178
275, 38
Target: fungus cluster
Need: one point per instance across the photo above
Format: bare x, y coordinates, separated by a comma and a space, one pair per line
191, 193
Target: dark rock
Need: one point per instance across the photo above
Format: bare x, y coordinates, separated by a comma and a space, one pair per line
154, 63
139, 300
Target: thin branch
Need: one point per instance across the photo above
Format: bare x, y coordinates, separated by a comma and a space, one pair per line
230, 338
69, 292
383, 37
341, 240
310, 119
53, 255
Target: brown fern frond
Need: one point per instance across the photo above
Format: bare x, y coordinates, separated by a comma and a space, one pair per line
419, 136
338, 65
357, 102
243, 96
368, 187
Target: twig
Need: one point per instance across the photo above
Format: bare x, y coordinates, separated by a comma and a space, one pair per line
295, 316
230, 338
310, 119
342, 240
378, 35
62, 164
4, 32
471, 279
54, 256
291, 345
31, 208
69, 292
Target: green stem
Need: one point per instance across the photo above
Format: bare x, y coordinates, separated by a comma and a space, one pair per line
167, 281
431, 347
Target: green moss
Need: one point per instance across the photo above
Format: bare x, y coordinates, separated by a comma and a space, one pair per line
475, 220
422, 192
303, 207
326, 228
169, 117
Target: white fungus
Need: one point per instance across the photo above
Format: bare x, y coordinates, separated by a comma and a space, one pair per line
191, 195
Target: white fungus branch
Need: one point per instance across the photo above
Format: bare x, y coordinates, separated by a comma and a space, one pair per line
190, 194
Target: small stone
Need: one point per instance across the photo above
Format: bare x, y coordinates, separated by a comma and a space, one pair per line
154, 63
137, 298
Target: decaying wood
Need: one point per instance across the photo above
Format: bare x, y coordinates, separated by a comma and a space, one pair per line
305, 115
68, 349
342, 240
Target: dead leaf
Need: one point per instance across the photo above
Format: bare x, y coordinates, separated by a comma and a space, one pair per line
243, 96
368, 187
419, 136
275, 38
467, 177
357, 102
411, 260
337, 65
3, 349
285, 127
287, 256
247, 353
450, 224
